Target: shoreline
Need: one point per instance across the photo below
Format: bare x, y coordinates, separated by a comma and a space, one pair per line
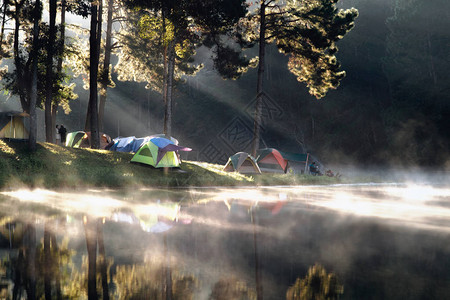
60, 168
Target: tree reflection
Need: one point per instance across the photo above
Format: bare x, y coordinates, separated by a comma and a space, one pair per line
48, 262
148, 281
94, 241
90, 228
317, 285
259, 289
52, 264
40, 270
232, 289
18, 275
56, 264
46, 270
102, 259
27, 262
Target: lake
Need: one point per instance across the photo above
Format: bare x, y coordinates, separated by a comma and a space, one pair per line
368, 241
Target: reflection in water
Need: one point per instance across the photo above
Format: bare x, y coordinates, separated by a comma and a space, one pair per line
150, 281
317, 284
374, 241
231, 288
25, 269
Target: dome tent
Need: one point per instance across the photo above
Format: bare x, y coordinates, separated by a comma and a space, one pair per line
242, 162
74, 139
123, 144
132, 144
159, 153
270, 160
82, 139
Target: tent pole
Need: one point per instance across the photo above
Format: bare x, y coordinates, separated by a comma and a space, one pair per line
306, 163
10, 128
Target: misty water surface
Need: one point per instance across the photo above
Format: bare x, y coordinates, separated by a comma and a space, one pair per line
381, 241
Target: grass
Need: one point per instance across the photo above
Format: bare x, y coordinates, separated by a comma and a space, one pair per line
56, 167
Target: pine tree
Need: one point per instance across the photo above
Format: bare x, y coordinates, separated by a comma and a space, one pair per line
307, 32
94, 51
49, 126
30, 54
34, 74
172, 30
105, 73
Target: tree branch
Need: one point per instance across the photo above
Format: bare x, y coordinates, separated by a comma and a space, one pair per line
119, 19
275, 13
116, 45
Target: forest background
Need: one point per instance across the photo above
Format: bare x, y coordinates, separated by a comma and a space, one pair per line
393, 107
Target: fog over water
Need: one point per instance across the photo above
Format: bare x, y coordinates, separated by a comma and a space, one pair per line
382, 241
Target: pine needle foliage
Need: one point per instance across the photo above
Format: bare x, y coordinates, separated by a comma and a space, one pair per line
307, 32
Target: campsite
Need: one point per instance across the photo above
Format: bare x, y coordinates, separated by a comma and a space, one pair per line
60, 167
56, 167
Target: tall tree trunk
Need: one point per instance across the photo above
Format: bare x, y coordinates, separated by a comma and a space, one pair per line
90, 228
49, 128
99, 29
102, 260
165, 69
62, 37
93, 73
430, 55
101, 107
169, 91
2, 34
17, 63
33, 96
54, 111
169, 98
259, 85
105, 76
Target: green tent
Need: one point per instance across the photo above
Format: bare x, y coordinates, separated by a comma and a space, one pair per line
242, 162
74, 139
81, 139
159, 153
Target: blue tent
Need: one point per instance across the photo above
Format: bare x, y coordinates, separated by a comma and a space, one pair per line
123, 144
132, 144
161, 142
162, 135
137, 143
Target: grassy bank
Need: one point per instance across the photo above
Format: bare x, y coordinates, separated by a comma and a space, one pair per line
54, 167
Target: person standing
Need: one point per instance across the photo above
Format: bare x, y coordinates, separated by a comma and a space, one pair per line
63, 133
313, 169
58, 136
